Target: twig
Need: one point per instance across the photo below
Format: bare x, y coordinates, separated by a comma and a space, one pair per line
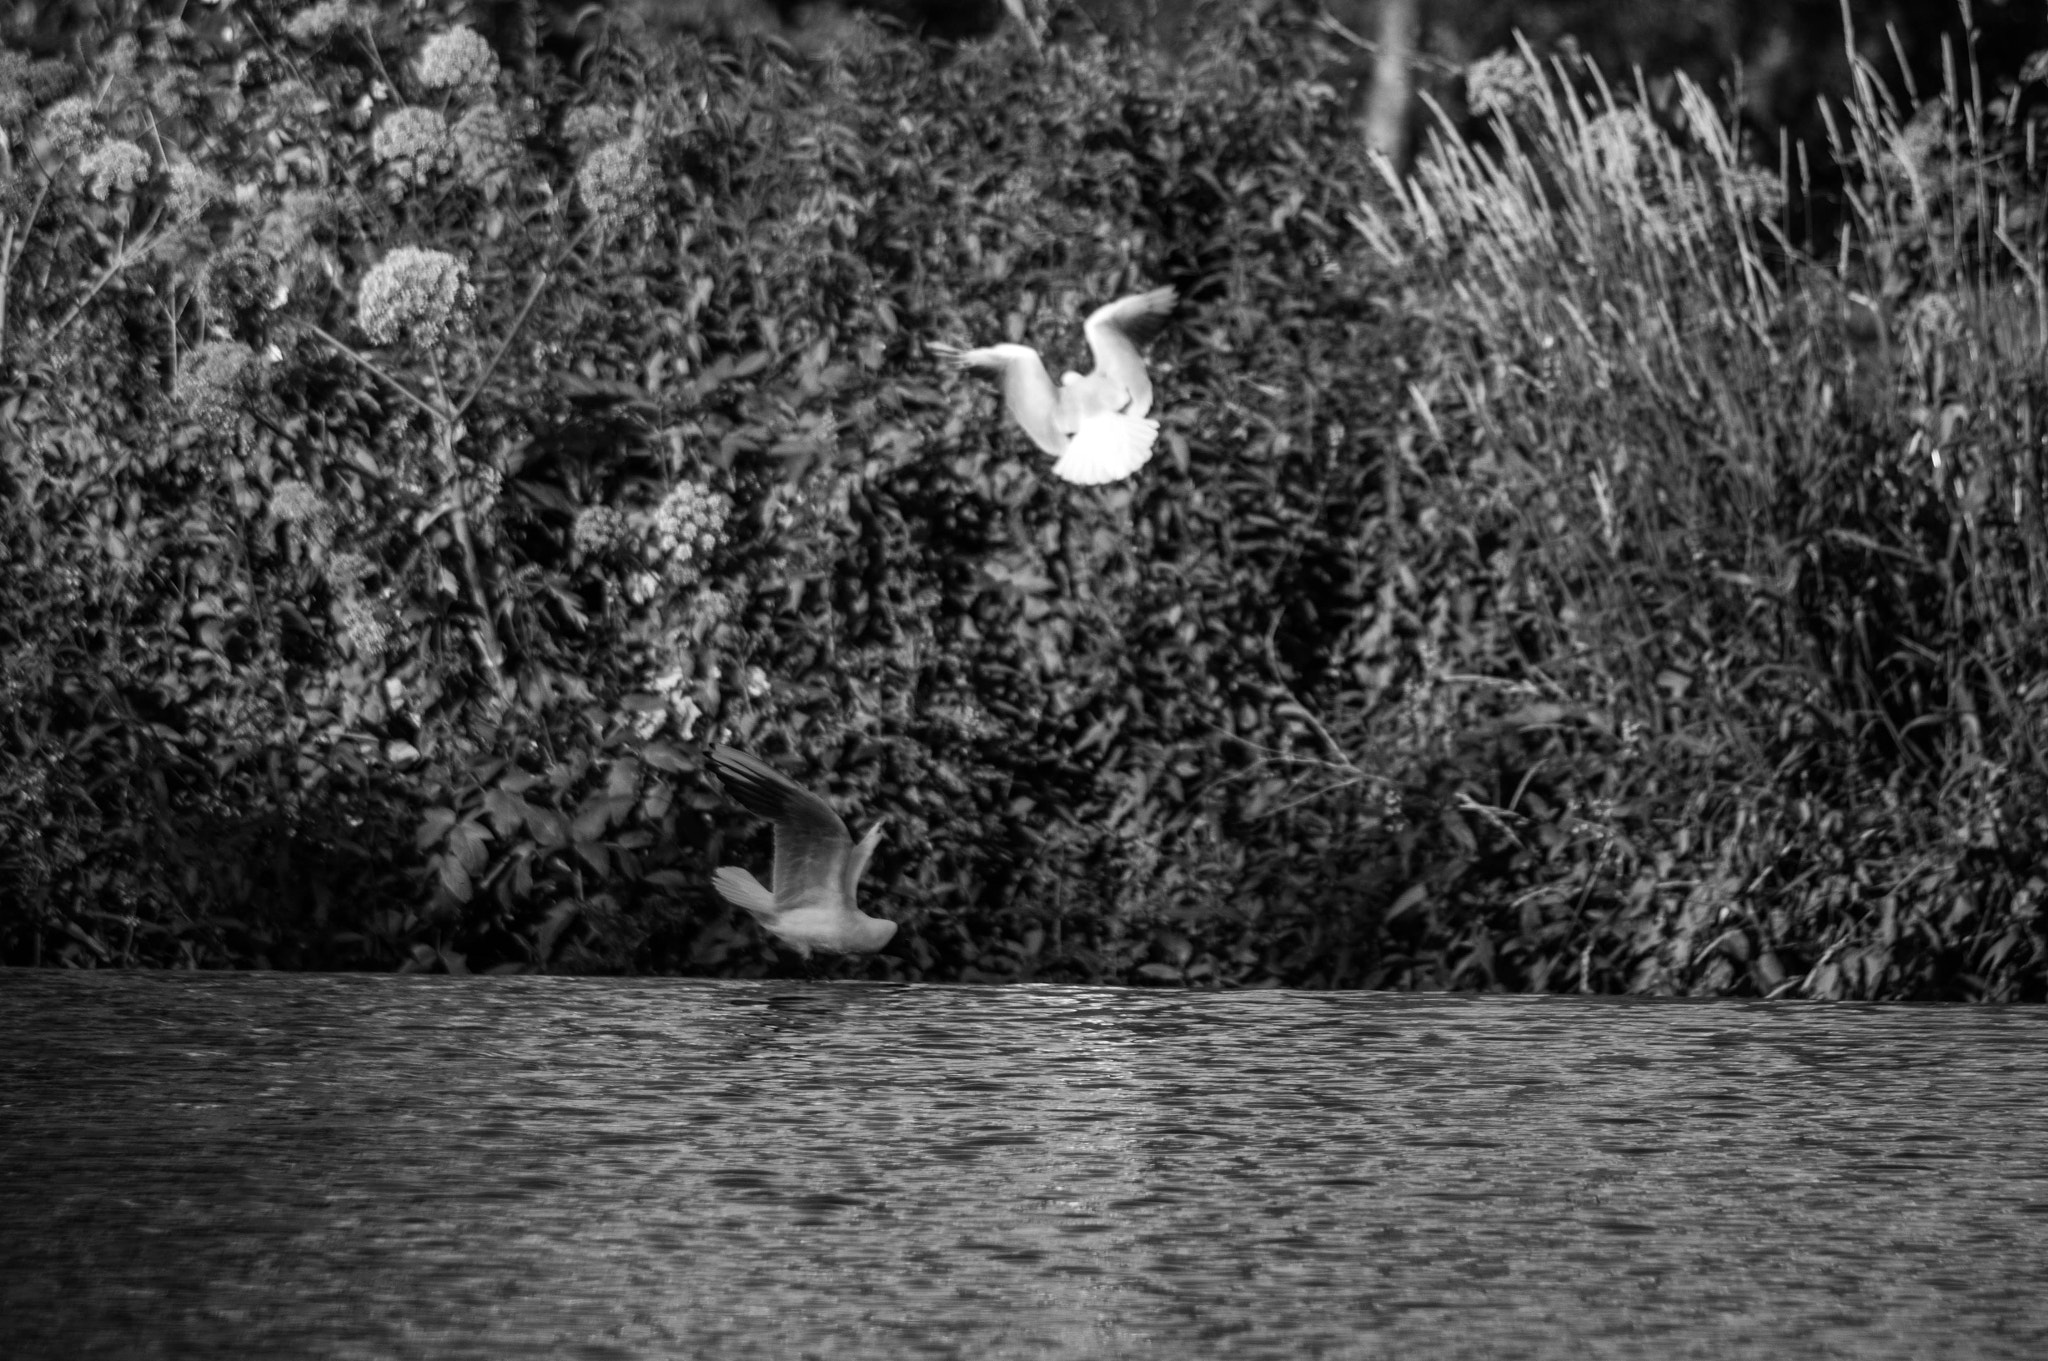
432, 412
121, 262
488, 643
526, 309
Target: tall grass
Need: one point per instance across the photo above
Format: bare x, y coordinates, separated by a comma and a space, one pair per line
1777, 518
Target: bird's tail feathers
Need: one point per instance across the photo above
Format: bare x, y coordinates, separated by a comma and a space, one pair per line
1106, 448
742, 889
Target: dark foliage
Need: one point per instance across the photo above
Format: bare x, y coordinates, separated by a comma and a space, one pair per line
329, 638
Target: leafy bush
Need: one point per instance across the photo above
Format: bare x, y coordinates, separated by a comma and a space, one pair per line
411, 460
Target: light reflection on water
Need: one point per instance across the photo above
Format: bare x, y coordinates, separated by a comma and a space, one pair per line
274, 1165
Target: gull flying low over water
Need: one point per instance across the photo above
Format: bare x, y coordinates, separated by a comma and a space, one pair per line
1096, 426
817, 865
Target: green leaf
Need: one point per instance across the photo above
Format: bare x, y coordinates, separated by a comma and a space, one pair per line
434, 825
596, 814
662, 756
622, 778
467, 842
454, 878
547, 827
505, 809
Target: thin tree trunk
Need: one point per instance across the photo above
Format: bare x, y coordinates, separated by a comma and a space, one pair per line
1387, 114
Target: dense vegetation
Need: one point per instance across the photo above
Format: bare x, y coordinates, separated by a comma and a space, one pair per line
1549, 578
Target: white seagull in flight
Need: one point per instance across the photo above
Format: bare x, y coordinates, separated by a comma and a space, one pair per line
817, 865
1096, 426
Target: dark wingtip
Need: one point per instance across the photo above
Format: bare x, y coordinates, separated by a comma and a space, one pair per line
749, 781
727, 761
761, 789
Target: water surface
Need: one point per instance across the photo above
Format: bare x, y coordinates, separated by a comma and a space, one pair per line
312, 1166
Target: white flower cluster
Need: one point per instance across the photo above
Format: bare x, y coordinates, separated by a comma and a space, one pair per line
458, 60
415, 294
1618, 140
294, 502
194, 189
1502, 85
113, 168
617, 181
359, 624
14, 96
707, 609
67, 126
216, 382
590, 125
118, 59
319, 21
415, 144
171, 91
294, 98
344, 569
599, 528
689, 524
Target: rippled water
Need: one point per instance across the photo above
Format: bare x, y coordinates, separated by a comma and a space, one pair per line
292, 1166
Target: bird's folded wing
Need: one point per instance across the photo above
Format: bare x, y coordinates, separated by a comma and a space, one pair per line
1115, 330
1027, 389
1106, 448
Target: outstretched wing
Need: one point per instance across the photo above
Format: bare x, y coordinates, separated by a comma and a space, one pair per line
1115, 330
1027, 389
811, 843
857, 863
